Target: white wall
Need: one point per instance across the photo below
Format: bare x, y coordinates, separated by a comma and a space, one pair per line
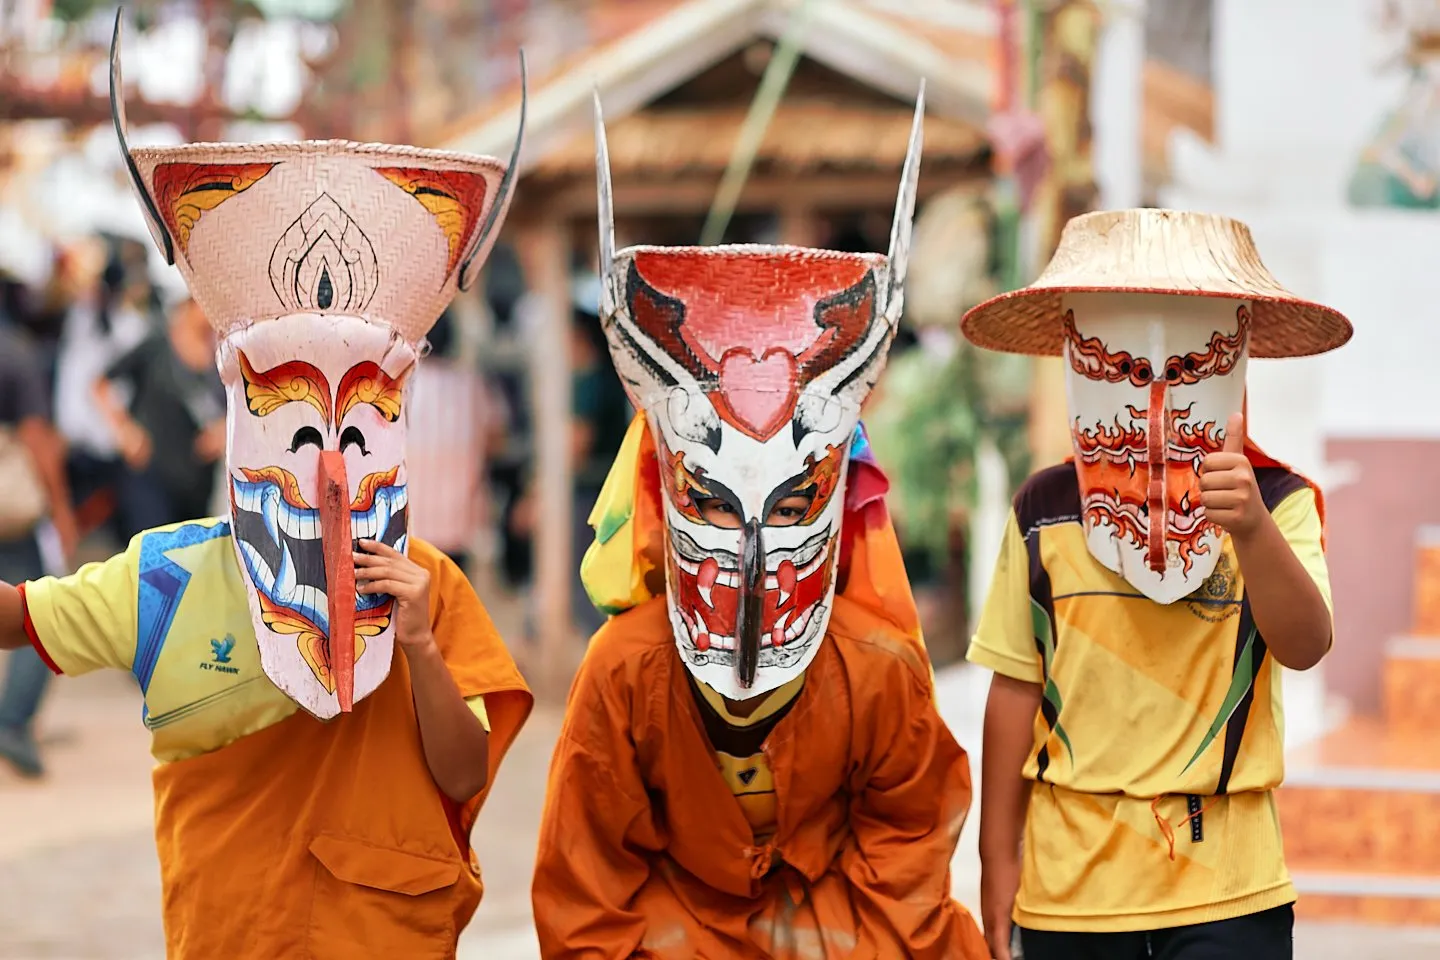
1299, 91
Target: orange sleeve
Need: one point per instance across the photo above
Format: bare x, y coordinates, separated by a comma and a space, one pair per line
906, 820
477, 659
590, 863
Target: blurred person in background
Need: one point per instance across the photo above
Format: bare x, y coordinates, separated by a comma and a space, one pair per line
110, 316
32, 462
172, 432
600, 416
448, 413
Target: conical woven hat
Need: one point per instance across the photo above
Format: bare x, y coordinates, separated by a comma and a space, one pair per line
1156, 251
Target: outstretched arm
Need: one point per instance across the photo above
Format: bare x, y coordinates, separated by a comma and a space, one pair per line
12, 619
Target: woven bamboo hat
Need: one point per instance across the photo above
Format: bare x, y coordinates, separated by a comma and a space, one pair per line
1156, 252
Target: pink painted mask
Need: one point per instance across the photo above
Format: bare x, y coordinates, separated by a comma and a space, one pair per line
321, 265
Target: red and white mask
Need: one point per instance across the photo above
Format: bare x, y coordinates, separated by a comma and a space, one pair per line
751, 364
321, 265
1152, 380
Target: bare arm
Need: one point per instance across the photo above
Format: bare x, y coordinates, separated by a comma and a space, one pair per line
12, 619
1004, 792
1289, 611
457, 748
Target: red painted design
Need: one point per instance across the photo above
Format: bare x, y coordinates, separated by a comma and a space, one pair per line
185, 191
455, 198
1129, 475
1092, 359
753, 329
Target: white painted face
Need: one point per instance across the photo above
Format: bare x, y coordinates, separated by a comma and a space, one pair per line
1152, 380
299, 386
751, 364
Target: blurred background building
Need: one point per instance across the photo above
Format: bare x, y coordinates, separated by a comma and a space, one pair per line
785, 121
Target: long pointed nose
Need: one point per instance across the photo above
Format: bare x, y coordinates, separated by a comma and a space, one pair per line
1157, 433
337, 543
750, 610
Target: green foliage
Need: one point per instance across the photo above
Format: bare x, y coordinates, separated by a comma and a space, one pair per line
73, 11
935, 407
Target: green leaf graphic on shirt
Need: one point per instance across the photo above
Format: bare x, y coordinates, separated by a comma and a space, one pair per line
1240, 683
1044, 633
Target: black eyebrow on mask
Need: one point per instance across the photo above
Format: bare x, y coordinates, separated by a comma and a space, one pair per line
724, 494
796, 486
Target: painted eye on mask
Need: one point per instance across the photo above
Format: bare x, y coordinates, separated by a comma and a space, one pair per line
352, 437
304, 436
720, 513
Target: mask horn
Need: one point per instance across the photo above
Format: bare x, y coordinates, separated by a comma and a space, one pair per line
117, 116
605, 208
905, 204
490, 230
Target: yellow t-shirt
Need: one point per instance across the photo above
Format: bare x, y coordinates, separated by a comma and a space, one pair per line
1142, 700
747, 772
173, 610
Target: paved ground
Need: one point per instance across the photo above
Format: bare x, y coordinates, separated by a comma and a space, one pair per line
78, 877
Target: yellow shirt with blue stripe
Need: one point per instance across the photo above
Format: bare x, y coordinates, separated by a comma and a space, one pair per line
173, 609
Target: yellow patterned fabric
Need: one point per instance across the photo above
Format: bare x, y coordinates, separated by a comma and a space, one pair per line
197, 662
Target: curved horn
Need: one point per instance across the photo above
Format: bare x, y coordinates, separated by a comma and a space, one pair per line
605, 203
490, 230
905, 204
117, 116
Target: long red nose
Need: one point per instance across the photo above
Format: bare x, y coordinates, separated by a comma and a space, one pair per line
1158, 435
338, 545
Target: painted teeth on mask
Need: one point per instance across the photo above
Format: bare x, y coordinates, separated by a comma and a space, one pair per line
802, 555
688, 549
372, 524
259, 570
311, 602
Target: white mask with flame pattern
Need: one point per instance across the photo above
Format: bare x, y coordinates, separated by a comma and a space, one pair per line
1152, 380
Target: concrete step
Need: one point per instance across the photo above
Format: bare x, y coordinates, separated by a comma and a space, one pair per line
1410, 680
1427, 581
1370, 898
1364, 795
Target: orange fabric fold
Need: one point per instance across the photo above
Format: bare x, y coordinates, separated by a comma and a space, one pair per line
331, 839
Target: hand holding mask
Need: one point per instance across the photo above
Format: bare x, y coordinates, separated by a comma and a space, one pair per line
1228, 491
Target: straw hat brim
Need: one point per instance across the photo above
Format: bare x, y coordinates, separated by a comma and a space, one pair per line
1029, 321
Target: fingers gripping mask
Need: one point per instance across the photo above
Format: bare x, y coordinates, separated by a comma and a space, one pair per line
751, 364
321, 265
1152, 380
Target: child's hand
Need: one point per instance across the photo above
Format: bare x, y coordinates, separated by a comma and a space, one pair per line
1228, 491
383, 569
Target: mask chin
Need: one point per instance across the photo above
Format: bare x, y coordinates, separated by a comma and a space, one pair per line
767, 594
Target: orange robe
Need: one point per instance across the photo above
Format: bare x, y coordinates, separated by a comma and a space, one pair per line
330, 839
645, 853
